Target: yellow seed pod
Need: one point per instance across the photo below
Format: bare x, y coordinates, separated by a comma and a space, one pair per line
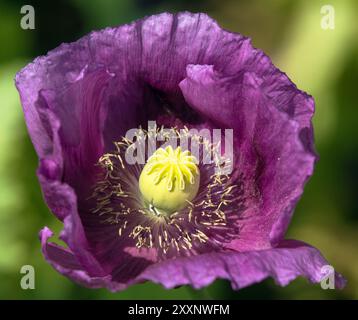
169, 179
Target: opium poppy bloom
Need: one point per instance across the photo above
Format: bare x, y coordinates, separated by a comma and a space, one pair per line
173, 218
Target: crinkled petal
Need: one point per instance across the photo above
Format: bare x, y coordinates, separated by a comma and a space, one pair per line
284, 263
272, 159
62, 199
65, 262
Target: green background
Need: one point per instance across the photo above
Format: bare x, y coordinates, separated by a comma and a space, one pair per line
321, 62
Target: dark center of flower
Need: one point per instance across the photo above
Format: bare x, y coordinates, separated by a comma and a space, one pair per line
174, 203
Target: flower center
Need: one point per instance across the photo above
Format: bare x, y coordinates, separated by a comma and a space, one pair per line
169, 180
144, 201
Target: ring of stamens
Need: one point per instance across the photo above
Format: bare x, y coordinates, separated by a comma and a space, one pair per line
204, 224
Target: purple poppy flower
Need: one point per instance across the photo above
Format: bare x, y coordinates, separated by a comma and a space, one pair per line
182, 71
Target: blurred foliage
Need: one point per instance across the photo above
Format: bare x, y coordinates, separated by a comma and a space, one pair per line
321, 62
